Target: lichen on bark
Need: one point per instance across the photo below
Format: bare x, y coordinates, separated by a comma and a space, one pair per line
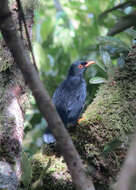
13, 102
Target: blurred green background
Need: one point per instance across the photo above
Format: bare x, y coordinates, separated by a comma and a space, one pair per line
65, 31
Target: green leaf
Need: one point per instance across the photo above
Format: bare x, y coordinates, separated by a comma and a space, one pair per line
97, 80
105, 57
26, 170
102, 66
131, 32
40, 56
46, 29
104, 40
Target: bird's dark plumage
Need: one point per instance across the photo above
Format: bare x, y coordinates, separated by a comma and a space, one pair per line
69, 97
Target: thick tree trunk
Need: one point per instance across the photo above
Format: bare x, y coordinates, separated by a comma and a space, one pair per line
12, 100
11, 128
109, 123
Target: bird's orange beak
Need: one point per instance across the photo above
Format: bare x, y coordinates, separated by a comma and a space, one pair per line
89, 63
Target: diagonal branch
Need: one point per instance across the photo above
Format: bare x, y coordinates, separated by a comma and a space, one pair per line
43, 100
119, 6
124, 23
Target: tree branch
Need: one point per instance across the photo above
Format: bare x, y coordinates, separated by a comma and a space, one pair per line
43, 100
119, 6
124, 23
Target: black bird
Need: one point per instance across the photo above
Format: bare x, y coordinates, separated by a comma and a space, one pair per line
69, 97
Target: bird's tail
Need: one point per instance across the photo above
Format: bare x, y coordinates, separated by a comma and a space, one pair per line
48, 138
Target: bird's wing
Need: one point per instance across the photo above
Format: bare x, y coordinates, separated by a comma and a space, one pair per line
60, 101
69, 103
75, 107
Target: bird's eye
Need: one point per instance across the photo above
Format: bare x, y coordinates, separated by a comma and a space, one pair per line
80, 66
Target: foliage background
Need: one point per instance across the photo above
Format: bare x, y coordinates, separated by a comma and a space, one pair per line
65, 31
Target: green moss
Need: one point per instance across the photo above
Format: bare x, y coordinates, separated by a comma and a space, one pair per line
108, 123
111, 109
101, 138
50, 172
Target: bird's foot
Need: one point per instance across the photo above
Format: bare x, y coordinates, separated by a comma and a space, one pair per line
81, 120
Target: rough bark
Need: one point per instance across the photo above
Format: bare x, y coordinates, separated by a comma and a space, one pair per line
11, 130
13, 100
44, 103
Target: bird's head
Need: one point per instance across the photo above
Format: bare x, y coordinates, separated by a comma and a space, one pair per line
78, 67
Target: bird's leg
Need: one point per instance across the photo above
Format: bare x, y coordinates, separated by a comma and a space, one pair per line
81, 120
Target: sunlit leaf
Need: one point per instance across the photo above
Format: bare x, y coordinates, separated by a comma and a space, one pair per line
46, 28
97, 80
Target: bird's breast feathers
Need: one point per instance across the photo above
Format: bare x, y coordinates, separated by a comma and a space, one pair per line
70, 100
